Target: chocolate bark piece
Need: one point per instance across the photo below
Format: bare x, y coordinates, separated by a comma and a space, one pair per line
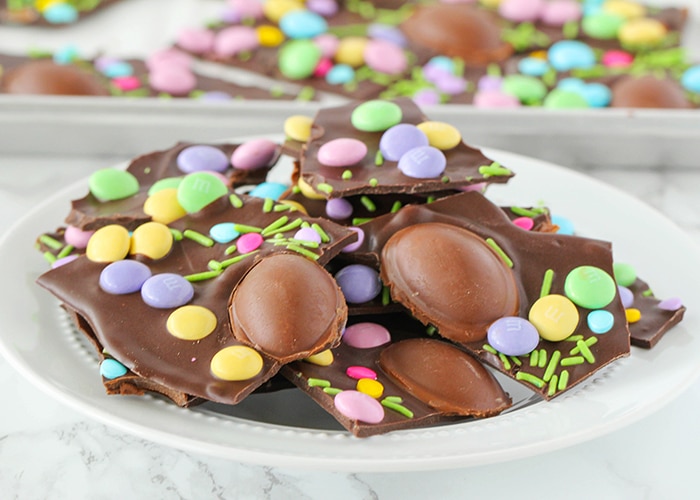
463, 166
535, 258
90, 213
45, 77
25, 13
322, 383
135, 333
654, 321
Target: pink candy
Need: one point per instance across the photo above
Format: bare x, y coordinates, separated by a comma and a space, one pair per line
328, 43
617, 58
77, 237
234, 40
358, 372
168, 57
359, 406
521, 10
385, 57
247, 9
253, 154
495, 99
126, 83
525, 223
249, 242
366, 335
172, 80
360, 239
195, 40
342, 152
560, 12
323, 67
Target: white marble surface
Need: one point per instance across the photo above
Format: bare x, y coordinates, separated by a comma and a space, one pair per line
48, 451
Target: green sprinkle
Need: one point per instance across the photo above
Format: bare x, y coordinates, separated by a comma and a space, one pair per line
488, 348
306, 93
494, 170
531, 379
373, 182
304, 243
563, 380
274, 225
490, 242
318, 382
647, 293
368, 203
430, 330
523, 212
573, 338
570, 29
65, 251
356, 221
396, 207
386, 296
379, 159
347, 175
552, 386
236, 202
445, 179
397, 408
533, 357
573, 360
516, 360
324, 236
430, 199
504, 360
283, 207
547, 283
50, 258
230, 250
267, 205
303, 251
287, 227
203, 275
214, 265
237, 258
542, 358
50, 242
553, 362
588, 343
332, 390
243, 228
324, 187
177, 235
203, 240
585, 351
394, 399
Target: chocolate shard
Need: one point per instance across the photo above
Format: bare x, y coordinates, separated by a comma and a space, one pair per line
654, 321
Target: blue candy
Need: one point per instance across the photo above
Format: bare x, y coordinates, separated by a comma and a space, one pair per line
118, 69
565, 225
600, 321
224, 232
597, 95
533, 66
111, 369
566, 55
299, 24
272, 190
339, 74
691, 79
167, 290
442, 62
66, 55
60, 13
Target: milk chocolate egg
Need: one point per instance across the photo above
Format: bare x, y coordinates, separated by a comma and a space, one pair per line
648, 92
449, 277
44, 77
288, 307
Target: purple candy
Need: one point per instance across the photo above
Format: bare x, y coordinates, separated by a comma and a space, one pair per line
307, 234
338, 208
354, 246
433, 72
513, 336
451, 84
215, 96
325, 8
399, 139
63, 261
423, 162
386, 32
167, 290
426, 97
202, 157
671, 304
489, 82
124, 276
626, 296
358, 283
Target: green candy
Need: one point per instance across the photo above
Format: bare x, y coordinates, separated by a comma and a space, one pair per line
527, 89
590, 287
198, 190
376, 116
625, 274
111, 184
298, 59
564, 99
602, 25
167, 183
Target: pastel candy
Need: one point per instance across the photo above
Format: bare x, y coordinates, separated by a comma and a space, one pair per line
111, 369
323, 358
356, 405
191, 322
249, 242
560, 12
235, 363
108, 244
554, 316
366, 335
565, 225
110, 184
691, 79
602, 25
399, 139
440, 135
671, 304
376, 116
298, 127
77, 237
387, 32
339, 74
342, 152
351, 51
60, 13
600, 321
590, 287
338, 208
307, 234
298, 59
196, 40
224, 232
385, 57
124, 276
359, 283
272, 190
166, 290
325, 8
253, 154
521, 10
166, 183
163, 206
566, 55
351, 247
533, 66
234, 40
172, 80
167, 58
423, 162
625, 274
513, 336
527, 89
626, 296
63, 261
152, 239
200, 158
302, 24
274, 10
198, 190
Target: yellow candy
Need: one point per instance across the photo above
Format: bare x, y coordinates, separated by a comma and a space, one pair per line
108, 244
539, 54
191, 322
441, 135
269, 36
323, 358
625, 8
152, 239
490, 3
554, 316
641, 32
351, 51
308, 191
298, 127
274, 10
42, 5
163, 206
236, 362
294, 205
370, 387
633, 315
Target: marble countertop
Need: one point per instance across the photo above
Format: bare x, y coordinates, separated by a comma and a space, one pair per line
49, 451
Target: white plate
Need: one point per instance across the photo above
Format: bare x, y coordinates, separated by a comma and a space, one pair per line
40, 342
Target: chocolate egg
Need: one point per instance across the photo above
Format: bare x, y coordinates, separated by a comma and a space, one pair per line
648, 92
457, 30
444, 377
450, 278
44, 77
288, 307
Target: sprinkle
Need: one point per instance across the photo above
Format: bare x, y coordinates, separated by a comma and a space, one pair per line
570, 29
274, 225
504, 360
430, 199
50, 258
304, 243
306, 93
303, 251
647, 293
573, 338
237, 258
573, 360
394, 399
563, 380
287, 227
324, 236
356, 221
552, 386
588, 343
283, 207
488, 348
516, 360
445, 179
533, 357
430, 330
332, 390
490, 242
585, 351
493, 170
324, 187
203, 275
50, 242
386, 402
347, 175
524, 212
243, 228
379, 159
230, 250
373, 182
396, 207
203, 240
318, 382
532, 379
177, 235
542, 358
386, 296
214, 265
236, 202
65, 251
267, 205
547, 283
553, 362
368, 203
